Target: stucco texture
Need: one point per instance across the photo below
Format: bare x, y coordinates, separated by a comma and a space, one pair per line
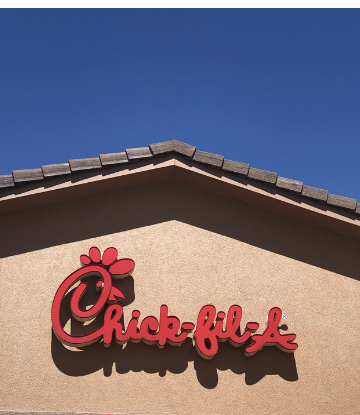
191, 248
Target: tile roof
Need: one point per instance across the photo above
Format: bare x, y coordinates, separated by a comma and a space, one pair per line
21, 177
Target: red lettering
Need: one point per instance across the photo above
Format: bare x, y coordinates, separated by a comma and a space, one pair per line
208, 334
133, 332
169, 327
81, 315
211, 327
149, 330
112, 323
205, 337
272, 336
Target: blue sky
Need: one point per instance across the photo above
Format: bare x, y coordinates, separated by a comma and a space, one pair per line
278, 89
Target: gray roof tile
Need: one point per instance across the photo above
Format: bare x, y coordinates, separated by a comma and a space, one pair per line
6, 181
113, 158
138, 153
27, 175
172, 146
208, 158
188, 151
262, 175
341, 201
51, 170
288, 184
236, 167
315, 193
85, 164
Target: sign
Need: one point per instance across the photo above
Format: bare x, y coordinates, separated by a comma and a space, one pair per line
211, 328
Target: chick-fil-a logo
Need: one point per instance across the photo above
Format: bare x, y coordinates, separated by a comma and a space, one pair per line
211, 327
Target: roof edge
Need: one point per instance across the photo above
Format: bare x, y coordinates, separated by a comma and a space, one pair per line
164, 148
176, 167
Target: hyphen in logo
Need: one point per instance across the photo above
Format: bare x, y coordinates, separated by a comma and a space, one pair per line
211, 327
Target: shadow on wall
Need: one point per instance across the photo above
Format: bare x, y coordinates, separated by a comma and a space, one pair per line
150, 359
131, 208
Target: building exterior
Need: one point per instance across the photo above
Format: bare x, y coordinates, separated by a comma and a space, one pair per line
201, 231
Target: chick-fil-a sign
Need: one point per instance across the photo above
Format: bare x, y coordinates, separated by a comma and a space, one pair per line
211, 327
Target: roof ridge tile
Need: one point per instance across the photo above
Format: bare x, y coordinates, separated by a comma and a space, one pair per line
170, 146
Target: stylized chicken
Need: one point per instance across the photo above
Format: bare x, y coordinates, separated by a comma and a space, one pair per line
118, 268
107, 266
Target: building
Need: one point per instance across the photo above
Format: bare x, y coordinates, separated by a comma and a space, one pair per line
201, 230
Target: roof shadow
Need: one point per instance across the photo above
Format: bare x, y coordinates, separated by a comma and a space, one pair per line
131, 208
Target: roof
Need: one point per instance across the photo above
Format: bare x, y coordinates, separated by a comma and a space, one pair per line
46, 172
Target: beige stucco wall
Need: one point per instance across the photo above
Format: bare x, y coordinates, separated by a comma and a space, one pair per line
191, 248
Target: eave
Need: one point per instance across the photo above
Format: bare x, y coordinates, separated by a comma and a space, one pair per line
175, 166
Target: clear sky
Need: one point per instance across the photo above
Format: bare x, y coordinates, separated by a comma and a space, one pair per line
278, 89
